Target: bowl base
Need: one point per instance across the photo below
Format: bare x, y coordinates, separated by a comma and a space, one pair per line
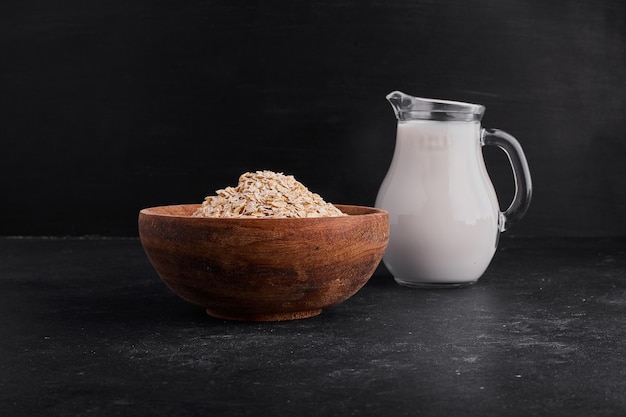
295, 315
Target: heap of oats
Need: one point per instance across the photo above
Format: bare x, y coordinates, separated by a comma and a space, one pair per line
266, 194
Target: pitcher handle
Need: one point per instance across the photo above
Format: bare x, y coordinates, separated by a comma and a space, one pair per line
521, 175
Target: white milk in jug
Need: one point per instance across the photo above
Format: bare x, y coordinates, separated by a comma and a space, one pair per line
443, 210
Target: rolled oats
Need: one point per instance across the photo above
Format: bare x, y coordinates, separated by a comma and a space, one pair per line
266, 194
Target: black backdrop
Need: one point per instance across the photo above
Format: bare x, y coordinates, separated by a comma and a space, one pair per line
110, 106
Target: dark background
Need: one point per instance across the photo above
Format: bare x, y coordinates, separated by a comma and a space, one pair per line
107, 107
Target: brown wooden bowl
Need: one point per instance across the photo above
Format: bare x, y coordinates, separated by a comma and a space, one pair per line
264, 269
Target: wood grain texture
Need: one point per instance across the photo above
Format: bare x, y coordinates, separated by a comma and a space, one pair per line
264, 269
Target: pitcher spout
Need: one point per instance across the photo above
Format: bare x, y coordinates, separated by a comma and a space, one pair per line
400, 102
407, 107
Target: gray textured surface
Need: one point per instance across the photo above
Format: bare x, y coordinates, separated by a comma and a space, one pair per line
87, 328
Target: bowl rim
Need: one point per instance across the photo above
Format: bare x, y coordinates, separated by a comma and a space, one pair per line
159, 211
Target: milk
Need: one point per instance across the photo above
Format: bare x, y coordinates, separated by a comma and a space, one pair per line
443, 210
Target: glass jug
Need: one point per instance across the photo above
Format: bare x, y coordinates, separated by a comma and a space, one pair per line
444, 215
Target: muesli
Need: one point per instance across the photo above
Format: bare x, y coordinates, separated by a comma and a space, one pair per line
266, 194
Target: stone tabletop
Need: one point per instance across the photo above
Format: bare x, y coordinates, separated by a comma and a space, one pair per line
87, 328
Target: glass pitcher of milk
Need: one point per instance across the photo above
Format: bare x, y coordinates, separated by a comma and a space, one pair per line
444, 215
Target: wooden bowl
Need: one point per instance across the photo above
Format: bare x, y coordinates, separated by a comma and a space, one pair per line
265, 269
